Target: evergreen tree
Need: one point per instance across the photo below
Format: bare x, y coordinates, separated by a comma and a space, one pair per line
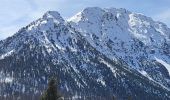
113, 98
51, 93
129, 98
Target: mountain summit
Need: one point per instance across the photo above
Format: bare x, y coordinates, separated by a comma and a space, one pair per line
96, 54
53, 15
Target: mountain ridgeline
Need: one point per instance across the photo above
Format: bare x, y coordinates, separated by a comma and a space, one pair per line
96, 54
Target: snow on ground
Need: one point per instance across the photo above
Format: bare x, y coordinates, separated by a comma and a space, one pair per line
110, 66
144, 73
6, 54
167, 66
101, 81
6, 80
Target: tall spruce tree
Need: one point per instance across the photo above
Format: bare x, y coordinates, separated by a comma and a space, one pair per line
51, 93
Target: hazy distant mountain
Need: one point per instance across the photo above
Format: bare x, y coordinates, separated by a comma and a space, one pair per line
96, 54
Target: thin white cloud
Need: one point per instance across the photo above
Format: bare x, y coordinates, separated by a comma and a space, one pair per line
163, 16
15, 14
10, 12
6, 31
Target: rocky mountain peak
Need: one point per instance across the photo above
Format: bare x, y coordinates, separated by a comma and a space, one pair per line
53, 15
96, 52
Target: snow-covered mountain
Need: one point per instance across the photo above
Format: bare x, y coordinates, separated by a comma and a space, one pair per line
95, 54
134, 38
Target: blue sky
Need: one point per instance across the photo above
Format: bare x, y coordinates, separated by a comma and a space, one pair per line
15, 14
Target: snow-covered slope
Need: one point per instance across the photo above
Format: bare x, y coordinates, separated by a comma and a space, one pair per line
164, 64
121, 29
97, 53
121, 34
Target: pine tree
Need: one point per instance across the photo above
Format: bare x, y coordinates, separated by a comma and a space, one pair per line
129, 98
113, 98
51, 92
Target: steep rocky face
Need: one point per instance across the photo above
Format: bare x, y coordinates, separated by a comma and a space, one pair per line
96, 54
